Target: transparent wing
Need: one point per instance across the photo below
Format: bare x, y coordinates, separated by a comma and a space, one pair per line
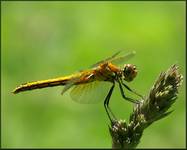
92, 92
123, 58
107, 59
117, 60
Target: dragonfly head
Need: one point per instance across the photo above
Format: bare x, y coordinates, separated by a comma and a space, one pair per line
129, 72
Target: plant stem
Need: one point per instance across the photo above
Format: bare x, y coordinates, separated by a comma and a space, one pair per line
155, 107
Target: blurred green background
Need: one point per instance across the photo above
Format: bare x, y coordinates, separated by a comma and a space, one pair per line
42, 40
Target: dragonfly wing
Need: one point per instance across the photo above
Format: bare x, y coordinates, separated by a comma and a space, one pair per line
120, 60
117, 60
107, 59
71, 82
66, 87
92, 92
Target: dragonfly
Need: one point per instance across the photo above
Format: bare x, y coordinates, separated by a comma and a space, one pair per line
94, 84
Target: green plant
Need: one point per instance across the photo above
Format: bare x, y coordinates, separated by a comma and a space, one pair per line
155, 107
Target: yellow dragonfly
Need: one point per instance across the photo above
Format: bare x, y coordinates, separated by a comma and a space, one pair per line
94, 84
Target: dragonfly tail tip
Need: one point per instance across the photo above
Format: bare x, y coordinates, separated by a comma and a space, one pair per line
14, 92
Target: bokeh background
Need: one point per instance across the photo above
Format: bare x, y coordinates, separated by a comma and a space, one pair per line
42, 40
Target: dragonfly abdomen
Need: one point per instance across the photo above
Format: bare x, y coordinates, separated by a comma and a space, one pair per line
41, 84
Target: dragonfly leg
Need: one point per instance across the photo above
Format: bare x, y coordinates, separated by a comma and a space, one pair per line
106, 103
133, 91
125, 97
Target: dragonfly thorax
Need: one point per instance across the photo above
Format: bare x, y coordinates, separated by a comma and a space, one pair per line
129, 72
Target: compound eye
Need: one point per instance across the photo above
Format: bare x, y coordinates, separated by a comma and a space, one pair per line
127, 71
